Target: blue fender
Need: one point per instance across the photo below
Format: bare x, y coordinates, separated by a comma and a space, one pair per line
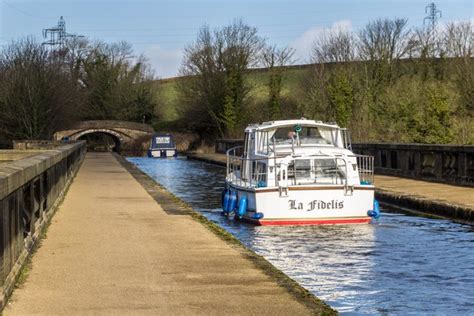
223, 198
232, 201
225, 201
258, 215
375, 213
242, 208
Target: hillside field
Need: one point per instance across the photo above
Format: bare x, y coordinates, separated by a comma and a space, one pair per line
167, 95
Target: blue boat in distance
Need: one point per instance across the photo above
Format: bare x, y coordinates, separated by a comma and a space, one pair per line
162, 146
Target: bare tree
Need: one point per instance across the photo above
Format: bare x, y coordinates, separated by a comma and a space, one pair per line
76, 51
274, 59
37, 95
334, 46
381, 44
425, 43
459, 44
426, 53
216, 90
459, 39
384, 39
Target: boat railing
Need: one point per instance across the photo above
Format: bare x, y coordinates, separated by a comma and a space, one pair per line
365, 166
313, 169
246, 172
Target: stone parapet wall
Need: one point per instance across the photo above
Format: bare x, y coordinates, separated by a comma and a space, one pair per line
30, 190
9, 155
441, 163
35, 144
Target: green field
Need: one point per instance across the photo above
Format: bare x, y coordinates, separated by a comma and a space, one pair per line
167, 95
421, 101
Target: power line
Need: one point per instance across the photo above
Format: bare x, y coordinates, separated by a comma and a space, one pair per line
24, 12
433, 15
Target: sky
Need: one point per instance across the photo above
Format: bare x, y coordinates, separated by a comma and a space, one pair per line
161, 29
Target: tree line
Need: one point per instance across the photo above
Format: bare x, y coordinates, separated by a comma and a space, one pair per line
43, 90
387, 82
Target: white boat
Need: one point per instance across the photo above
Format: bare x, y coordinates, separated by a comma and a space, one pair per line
299, 172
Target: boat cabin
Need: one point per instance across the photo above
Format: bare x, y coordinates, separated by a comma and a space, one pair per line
297, 152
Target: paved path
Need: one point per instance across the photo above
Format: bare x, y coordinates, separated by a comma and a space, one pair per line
445, 194
111, 249
451, 194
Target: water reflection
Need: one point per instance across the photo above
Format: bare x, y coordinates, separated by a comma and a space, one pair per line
402, 265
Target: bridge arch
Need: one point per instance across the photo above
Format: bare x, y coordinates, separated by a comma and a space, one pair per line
117, 138
123, 133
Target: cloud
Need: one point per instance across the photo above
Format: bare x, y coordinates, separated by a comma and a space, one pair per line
165, 62
304, 42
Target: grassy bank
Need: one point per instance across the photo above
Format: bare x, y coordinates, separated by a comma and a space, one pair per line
418, 101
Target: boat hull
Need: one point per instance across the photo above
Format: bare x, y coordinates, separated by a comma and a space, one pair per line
307, 205
302, 222
162, 153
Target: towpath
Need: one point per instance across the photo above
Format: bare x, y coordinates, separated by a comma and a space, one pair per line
415, 195
111, 249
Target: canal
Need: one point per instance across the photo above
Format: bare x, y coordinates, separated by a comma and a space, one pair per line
401, 264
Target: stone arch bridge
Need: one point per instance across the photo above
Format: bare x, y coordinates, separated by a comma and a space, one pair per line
125, 134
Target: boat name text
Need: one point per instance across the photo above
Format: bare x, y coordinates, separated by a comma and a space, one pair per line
316, 205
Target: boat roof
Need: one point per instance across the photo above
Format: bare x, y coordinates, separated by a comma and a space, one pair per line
283, 123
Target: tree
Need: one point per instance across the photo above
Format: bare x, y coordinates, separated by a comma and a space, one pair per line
115, 84
459, 44
214, 94
427, 53
274, 59
37, 95
330, 87
436, 125
381, 44
334, 46
341, 98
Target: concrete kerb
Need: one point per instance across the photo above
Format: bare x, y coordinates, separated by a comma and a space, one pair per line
175, 206
424, 207
33, 243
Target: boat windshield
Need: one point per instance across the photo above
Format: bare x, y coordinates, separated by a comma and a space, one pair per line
308, 135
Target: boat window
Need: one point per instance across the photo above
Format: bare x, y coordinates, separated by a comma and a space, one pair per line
322, 171
162, 140
308, 135
262, 145
302, 168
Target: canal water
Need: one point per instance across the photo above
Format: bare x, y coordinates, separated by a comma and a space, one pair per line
400, 265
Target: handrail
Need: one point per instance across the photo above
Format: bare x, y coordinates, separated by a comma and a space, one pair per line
248, 172
365, 167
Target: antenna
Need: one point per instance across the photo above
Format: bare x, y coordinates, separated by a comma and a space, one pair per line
433, 15
57, 34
